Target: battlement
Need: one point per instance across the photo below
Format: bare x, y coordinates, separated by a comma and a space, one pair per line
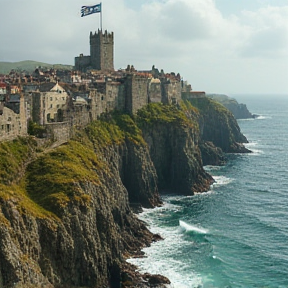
102, 50
98, 36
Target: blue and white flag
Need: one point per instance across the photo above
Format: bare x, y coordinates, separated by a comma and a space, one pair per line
87, 10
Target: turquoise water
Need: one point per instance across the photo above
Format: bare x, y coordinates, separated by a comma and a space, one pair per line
235, 235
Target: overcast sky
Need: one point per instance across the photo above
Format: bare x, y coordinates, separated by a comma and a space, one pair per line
219, 46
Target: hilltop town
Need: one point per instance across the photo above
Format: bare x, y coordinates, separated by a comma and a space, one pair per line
59, 100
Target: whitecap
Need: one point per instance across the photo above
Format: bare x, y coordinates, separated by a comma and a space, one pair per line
262, 117
189, 227
221, 180
212, 168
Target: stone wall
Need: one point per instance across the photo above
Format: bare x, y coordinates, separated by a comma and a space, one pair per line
102, 50
192, 94
49, 106
59, 132
155, 91
171, 92
13, 124
82, 62
136, 92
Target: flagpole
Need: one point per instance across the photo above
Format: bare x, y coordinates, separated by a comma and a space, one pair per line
101, 16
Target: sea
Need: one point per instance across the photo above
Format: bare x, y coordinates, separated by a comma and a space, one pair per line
236, 234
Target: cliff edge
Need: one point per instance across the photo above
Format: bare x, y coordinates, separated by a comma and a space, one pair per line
65, 213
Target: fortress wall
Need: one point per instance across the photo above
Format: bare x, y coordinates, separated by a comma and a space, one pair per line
136, 92
59, 132
154, 92
112, 95
12, 124
80, 116
192, 94
82, 62
174, 92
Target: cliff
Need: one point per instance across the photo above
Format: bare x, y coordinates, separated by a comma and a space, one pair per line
172, 136
217, 125
65, 216
239, 110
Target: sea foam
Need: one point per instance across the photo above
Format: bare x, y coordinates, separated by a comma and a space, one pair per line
189, 227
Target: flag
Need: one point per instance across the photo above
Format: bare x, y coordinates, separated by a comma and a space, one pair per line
87, 10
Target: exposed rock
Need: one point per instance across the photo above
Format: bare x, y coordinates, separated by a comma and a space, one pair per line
65, 216
218, 126
174, 150
211, 155
239, 110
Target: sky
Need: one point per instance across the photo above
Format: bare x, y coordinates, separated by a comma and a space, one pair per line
218, 46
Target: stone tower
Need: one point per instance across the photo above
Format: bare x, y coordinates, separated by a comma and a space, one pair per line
102, 50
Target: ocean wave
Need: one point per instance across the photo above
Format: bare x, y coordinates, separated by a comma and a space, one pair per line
189, 227
212, 168
221, 180
262, 117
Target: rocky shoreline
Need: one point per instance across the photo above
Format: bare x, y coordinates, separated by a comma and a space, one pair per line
65, 213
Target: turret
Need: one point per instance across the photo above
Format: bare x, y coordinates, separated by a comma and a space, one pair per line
102, 50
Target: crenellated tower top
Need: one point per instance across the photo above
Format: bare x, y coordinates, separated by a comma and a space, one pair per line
102, 50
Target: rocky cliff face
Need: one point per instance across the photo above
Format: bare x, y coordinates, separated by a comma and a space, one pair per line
217, 125
65, 216
172, 139
239, 110
68, 223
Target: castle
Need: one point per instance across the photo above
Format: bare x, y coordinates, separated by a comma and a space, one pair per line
101, 53
59, 101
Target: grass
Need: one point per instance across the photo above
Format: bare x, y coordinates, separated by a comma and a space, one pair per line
29, 65
12, 156
184, 114
205, 105
51, 180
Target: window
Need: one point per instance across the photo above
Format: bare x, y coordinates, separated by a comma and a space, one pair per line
58, 105
51, 98
51, 106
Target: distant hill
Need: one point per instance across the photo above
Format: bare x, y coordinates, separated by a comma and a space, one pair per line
29, 65
240, 111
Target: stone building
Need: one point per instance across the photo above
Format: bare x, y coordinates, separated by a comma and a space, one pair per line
155, 91
49, 103
136, 92
13, 122
3, 88
101, 53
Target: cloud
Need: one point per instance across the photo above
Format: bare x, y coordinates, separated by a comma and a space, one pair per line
192, 37
268, 35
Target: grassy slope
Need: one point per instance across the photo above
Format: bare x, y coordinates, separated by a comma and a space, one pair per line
29, 65
49, 182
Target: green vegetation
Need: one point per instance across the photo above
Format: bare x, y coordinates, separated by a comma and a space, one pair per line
13, 154
52, 180
114, 128
184, 114
222, 99
102, 133
129, 127
205, 105
29, 66
36, 129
